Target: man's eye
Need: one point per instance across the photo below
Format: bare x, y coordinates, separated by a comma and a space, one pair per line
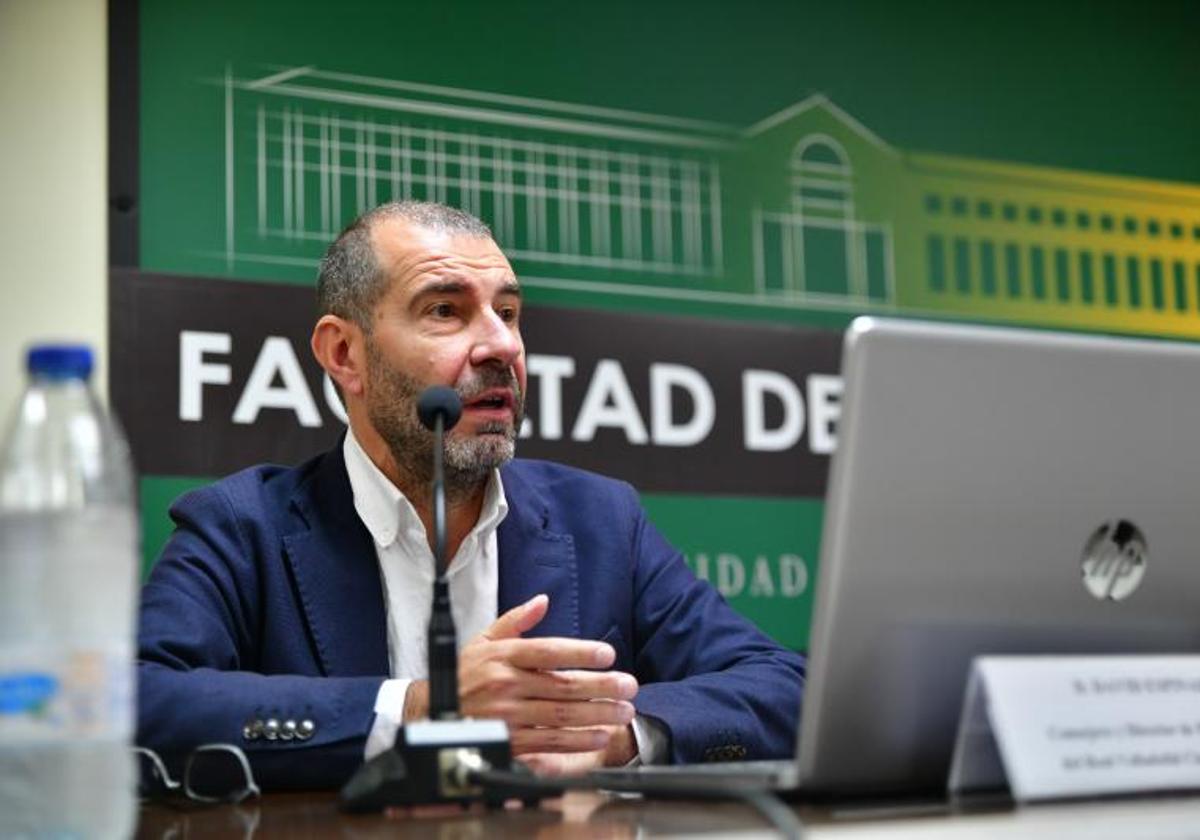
508, 314
442, 310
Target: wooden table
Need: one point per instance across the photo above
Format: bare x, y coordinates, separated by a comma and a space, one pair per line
577, 815
593, 816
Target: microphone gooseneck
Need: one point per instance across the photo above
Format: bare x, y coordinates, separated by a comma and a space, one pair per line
442, 759
439, 408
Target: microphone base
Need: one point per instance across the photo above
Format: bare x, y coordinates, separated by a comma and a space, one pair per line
429, 765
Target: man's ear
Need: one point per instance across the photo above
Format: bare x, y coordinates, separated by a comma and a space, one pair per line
340, 348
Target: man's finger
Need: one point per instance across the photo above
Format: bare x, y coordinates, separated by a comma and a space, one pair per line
551, 740
552, 652
563, 764
577, 713
578, 685
520, 619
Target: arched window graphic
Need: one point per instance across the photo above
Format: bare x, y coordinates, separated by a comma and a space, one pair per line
822, 178
826, 244
818, 250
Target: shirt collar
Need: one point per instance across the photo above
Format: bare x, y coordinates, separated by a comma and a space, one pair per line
386, 512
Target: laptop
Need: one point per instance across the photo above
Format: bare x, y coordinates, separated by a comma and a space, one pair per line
985, 481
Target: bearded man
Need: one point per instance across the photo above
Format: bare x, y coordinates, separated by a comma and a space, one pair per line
288, 612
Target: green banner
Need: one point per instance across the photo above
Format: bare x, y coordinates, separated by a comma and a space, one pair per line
769, 166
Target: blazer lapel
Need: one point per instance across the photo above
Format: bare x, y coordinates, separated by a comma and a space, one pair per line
534, 559
336, 570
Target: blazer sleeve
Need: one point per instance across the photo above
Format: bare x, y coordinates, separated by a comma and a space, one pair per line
205, 673
723, 689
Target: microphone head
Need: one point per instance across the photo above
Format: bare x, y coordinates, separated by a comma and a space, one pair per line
439, 400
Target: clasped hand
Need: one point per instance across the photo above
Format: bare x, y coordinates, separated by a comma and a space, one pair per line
565, 711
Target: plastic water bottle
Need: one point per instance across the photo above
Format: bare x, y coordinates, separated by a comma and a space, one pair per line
68, 581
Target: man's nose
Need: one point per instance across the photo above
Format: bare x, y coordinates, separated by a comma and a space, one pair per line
496, 341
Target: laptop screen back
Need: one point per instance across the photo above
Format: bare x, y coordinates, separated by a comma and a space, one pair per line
992, 491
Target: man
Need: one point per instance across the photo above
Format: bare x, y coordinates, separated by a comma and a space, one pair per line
288, 612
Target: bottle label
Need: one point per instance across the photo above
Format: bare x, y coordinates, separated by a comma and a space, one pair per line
57, 695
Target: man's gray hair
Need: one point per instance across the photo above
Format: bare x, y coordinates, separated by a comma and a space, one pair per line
350, 281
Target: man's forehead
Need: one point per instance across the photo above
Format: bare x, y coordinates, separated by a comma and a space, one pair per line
408, 249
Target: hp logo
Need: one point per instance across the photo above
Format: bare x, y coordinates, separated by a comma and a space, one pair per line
1114, 560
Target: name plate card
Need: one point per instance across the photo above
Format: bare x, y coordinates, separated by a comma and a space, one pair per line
1054, 727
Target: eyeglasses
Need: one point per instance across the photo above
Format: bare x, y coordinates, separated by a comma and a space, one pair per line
212, 774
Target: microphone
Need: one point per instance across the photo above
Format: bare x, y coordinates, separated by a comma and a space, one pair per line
436, 402
439, 409
441, 759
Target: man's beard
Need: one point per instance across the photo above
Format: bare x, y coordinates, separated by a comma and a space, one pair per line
468, 460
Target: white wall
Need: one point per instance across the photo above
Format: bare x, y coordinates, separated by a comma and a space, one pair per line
53, 180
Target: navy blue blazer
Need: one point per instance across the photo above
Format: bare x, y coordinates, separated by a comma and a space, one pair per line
267, 603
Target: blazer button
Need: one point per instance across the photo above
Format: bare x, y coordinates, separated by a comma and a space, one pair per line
305, 730
288, 731
252, 730
271, 729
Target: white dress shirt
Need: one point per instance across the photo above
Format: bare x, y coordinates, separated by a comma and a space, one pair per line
406, 566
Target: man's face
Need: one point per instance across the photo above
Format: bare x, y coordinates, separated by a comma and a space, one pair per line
451, 317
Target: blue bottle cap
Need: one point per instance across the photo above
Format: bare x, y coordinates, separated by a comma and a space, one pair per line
60, 361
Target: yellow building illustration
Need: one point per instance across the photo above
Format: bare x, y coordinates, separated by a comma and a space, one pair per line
806, 209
